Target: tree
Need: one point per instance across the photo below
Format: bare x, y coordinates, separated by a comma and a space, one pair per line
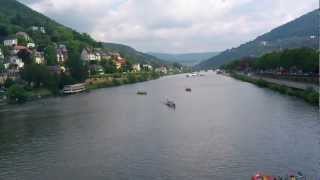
36, 74
2, 68
26, 56
17, 94
79, 71
108, 66
22, 41
65, 80
4, 31
50, 54
8, 83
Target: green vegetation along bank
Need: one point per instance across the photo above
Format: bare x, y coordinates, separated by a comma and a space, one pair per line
117, 79
309, 96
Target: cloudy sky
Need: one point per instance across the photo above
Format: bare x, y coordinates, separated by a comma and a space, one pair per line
174, 25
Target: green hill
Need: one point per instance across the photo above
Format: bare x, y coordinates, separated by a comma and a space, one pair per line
15, 17
301, 32
133, 55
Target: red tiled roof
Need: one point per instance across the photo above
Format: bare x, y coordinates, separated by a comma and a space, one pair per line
21, 48
121, 61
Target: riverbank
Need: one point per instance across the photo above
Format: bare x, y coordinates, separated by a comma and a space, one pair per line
308, 95
118, 79
94, 82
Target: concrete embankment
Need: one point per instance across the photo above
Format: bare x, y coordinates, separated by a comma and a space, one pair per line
292, 84
306, 91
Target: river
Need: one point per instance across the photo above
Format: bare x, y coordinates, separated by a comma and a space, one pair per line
223, 129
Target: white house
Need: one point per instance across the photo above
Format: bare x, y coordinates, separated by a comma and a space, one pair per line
147, 67
16, 49
162, 69
10, 42
39, 57
62, 53
38, 28
88, 54
16, 61
136, 67
1, 55
31, 45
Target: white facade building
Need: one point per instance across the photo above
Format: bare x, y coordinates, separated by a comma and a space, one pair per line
90, 55
10, 42
1, 55
39, 57
38, 28
31, 45
15, 60
136, 67
147, 67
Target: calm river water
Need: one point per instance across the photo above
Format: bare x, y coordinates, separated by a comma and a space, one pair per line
223, 129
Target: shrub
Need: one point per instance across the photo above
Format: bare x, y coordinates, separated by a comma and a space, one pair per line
17, 94
116, 82
8, 83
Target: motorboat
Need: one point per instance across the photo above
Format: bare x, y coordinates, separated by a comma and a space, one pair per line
142, 93
260, 176
170, 104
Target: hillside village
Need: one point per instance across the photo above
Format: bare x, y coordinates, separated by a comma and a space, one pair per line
20, 49
52, 66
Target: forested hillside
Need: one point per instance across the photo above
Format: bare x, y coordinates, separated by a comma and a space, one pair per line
302, 32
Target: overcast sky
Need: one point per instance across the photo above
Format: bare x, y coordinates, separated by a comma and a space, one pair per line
174, 26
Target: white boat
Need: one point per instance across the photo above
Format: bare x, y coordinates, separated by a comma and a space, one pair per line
192, 75
170, 104
74, 88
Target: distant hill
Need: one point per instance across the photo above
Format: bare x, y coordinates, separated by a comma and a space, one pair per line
301, 32
133, 55
188, 59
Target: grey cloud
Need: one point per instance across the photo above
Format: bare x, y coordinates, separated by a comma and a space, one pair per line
174, 25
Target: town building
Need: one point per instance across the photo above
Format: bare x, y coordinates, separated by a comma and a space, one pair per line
14, 63
62, 53
38, 28
12, 73
24, 35
120, 63
10, 42
161, 69
105, 55
96, 69
136, 68
31, 45
89, 54
39, 57
1, 56
16, 49
147, 67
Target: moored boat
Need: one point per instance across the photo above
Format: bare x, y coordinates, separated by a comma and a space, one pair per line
260, 176
74, 88
142, 93
170, 104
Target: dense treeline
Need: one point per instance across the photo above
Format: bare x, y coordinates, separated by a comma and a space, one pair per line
304, 60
